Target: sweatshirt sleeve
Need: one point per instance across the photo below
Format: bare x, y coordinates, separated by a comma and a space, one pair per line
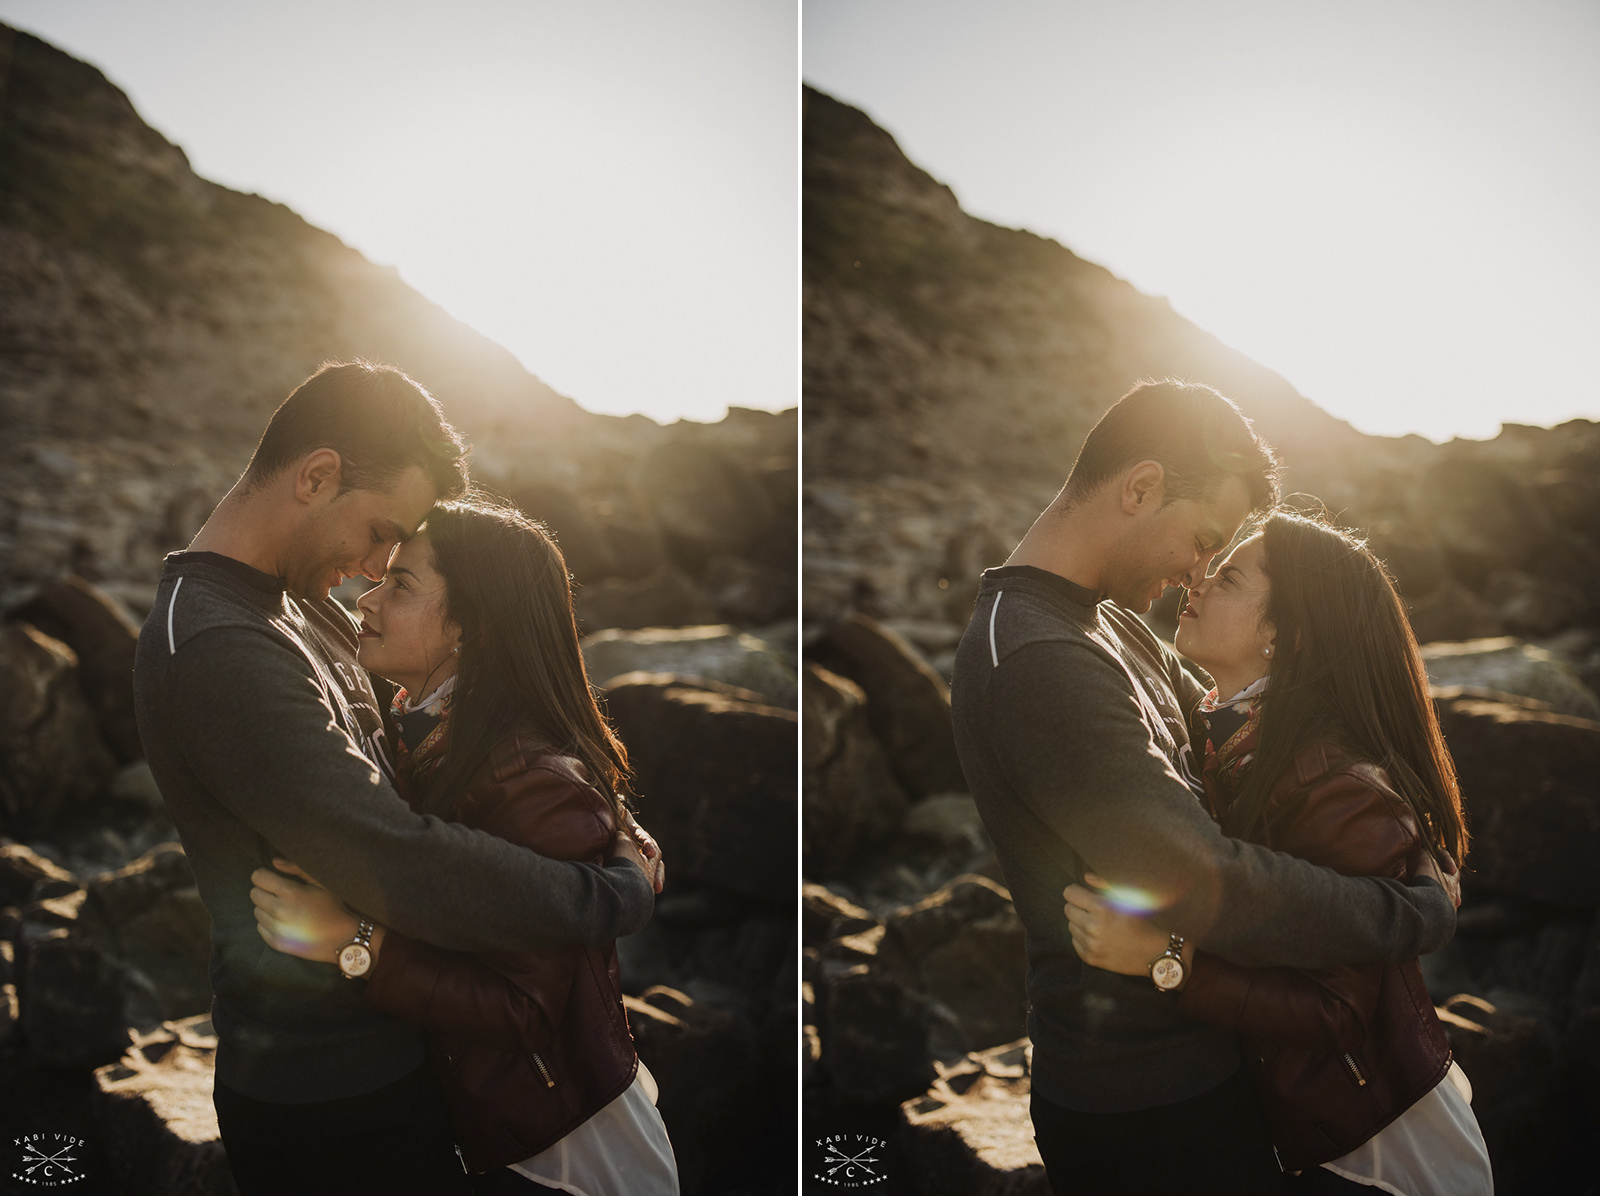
261, 736
1071, 735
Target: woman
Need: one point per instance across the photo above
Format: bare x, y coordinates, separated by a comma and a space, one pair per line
497, 729
1327, 747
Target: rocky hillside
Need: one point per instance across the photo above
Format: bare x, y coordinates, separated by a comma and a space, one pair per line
150, 321
951, 370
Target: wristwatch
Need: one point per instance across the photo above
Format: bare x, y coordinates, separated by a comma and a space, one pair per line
355, 957
1167, 968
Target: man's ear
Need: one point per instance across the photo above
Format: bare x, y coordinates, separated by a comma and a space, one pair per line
1143, 487
318, 475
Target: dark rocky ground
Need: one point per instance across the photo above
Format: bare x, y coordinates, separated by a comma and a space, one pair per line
951, 370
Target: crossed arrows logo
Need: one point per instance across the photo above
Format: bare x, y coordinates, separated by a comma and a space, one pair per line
838, 1160
34, 1157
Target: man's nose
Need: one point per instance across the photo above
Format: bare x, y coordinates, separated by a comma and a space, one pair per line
376, 563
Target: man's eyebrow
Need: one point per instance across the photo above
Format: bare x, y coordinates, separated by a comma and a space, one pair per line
396, 532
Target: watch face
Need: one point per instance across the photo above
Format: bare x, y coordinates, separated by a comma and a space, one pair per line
1167, 972
354, 959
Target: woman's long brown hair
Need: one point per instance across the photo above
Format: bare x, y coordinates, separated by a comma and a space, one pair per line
1345, 667
506, 585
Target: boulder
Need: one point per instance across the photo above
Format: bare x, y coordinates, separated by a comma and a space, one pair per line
1511, 666
52, 758
158, 1126
908, 703
850, 800
877, 1036
1481, 517
25, 876
717, 652
748, 593
970, 1134
1451, 612
703, 1061
704, 502
77, 999
962, 947
716, 777
10, 1009
826, 915
1510, 1058
103, 635
130, 950
1528, 783
666, 598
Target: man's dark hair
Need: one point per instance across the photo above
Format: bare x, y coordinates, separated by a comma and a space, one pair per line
380, 422
1199, 437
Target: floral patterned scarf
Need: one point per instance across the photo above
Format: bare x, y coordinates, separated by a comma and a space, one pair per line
424, 731
1233, 732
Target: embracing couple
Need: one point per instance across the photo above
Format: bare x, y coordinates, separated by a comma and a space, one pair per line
413, 918
1224, 893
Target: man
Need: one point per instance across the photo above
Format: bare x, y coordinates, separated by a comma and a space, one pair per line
265, 736
1072, 722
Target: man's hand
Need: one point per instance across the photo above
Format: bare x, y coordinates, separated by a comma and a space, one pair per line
1108, 938
634, 843
1442, 870
298, 919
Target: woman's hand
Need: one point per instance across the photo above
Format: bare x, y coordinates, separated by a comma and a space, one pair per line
300, 919
636, 844
1108, 938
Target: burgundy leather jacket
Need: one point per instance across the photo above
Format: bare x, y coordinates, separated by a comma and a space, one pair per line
1336, 1054
527, 1046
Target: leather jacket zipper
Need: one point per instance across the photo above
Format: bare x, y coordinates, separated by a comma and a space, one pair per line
1361, 1080
549, 1080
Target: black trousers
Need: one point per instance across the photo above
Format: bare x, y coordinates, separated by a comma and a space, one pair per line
1214, 1142
395, 1140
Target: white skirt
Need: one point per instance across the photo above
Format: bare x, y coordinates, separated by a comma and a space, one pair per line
1434, 1148
621, 1151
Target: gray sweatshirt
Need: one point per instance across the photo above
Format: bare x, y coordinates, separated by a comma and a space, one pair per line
1072, 720
262, 731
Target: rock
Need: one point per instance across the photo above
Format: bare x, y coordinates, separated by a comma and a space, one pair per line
103, 635
850, 799
1510, 1059
1528, 784
25, 875
51, 755
908, 703
704, 503
154, 1110
970, 1134
748, 593
1481, 517
76, 997
716, 652
716, 778
1533, 606
962, 946
1513, 667
1451, 612
702, 1059
826, 915
877, 1038
131, 950
664, 599
10, 1009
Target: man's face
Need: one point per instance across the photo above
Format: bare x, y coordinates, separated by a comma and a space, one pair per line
1173, 544
354, 533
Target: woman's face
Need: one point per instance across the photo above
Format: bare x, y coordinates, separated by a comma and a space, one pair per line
404, 633
1223, 625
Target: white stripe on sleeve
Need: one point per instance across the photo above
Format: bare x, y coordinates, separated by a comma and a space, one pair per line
172, 644
994, 653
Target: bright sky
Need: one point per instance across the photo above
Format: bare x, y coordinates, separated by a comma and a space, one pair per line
1393, 203
609, 188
